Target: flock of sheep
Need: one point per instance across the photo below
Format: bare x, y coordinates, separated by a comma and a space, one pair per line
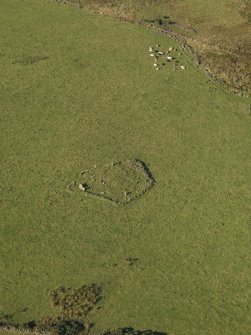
162, 58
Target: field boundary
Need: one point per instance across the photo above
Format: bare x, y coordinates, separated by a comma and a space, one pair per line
191, 55
134, 167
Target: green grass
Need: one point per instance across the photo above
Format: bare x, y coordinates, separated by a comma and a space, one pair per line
119, 182
79, 90
216, 31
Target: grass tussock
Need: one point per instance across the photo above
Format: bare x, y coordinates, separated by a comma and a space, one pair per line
76, 303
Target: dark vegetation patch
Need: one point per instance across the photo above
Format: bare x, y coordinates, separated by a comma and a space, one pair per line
131, 260
73, 328
59, 326
73, 304
131, 331
30, 60
164, 21
246, 10
52, 325
76, 303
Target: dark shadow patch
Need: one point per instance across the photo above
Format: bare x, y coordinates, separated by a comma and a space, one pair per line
162, 22
60, 326
132, 331
131, 260
81, 63
69, 322
30, 60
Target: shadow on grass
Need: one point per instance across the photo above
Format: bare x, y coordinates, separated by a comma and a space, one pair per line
74, 305
59, 326
164, 21
30, 60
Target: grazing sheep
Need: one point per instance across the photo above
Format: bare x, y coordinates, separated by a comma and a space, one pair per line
155, 64
169, 58
157, 45
150, 49
161, 53
152, 55
170, 49
157, 68
182, 67
81, 187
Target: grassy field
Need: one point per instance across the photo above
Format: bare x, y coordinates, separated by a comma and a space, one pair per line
218, 32
79, 90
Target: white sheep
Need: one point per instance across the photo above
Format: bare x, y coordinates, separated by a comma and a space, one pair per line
81, 187
183, 67
170, 49
152, 55
150, 49
169, 58
161, 53
155, 64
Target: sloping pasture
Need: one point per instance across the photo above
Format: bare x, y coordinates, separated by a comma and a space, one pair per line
79, 90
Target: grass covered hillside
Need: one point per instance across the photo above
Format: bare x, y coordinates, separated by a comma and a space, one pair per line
79, 93
218, 32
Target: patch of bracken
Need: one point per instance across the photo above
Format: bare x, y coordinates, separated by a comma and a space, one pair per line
76, 303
